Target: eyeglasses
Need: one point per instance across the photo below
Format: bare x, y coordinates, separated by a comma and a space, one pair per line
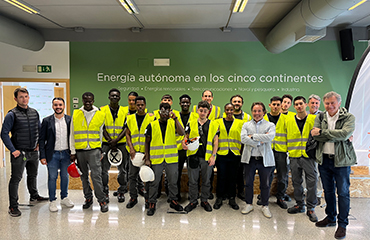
200, 130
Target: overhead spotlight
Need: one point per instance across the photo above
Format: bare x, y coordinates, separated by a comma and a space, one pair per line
130, 6
24, 6
239, 6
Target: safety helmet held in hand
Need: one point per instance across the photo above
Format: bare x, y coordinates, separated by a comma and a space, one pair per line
194, 144
146, 174
138, 160
74, 171
115, 157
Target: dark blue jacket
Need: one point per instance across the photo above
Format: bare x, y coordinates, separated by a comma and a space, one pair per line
47, 136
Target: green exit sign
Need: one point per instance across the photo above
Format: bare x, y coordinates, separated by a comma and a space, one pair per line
44, 68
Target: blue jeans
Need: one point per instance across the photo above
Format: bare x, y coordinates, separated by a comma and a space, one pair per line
336, 177
60, 160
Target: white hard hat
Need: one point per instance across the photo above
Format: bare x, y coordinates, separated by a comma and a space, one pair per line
115, 157
138, 160
146, 174
194, 144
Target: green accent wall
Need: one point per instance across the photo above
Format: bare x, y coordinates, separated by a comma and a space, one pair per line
227, 68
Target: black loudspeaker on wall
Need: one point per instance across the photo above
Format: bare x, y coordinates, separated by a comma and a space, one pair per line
346, 45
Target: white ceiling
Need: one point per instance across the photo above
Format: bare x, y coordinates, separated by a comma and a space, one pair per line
167, 14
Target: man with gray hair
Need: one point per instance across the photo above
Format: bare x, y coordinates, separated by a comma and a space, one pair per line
314, 104
335, 155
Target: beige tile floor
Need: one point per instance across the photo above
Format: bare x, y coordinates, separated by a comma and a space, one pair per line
37, 222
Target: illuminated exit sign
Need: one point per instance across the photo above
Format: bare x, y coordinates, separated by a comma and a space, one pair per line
44, 68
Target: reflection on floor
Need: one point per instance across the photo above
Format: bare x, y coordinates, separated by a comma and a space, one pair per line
37, 222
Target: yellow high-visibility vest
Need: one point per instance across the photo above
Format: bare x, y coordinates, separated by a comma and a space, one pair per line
137, 135
194, 132
279, 142
296, 141
246, 117
166, 151
87, 135
215, 112
229, 141
179, 138
114, 127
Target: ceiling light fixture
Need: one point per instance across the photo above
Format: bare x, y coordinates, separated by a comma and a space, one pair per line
130, 6
24, 6
356, 5
239, 5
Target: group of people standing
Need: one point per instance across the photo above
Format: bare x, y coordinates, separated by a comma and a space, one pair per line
235, 142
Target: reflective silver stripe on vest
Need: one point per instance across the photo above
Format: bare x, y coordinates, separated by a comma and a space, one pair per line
235, 141
223, 148
229, 140
216, 112
280, 135
113, 127
209, 151
137, 135
81, 132
156, 156
178, 141
222, 140
170, 155
297, 148
298, 140
138, 143
279, 142
88, 140
170, 146
156, 147
209, 143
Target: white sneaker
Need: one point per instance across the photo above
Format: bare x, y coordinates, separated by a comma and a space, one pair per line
266, 211
66, 202
247, 209
53, 207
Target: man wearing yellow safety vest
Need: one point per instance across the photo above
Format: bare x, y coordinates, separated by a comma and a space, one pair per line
161, 153
201, 160
214, 112
298, 128
279, 147
135, 128
85, 143
114, 139
185, 117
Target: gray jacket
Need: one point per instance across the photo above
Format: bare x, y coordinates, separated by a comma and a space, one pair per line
344, 127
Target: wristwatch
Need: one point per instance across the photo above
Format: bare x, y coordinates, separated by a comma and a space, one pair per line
320, 131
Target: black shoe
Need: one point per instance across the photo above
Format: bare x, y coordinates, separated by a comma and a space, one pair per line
259, 196
115, 193
175, 205
141, 192
233, 204
206, 206
103, 207
14, 212
325, 223
190, 207
211, 196
38, 199
340, 233
88, 203
151, 209
287, 198
121, 197
241, 196
259, 202
131, 203
178, 197
312, 216
281, 203
218, 203
296, 209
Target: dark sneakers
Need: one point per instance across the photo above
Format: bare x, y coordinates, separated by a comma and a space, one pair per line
281, 203
190, 207
207, 207
14, 212
175, 205
103, 207
211, 196
218, 203
233, 204
38, 199
325, 223
296, 209
287, 198
131, 203
340, 233
121, 197
312, 216
88, 203
151, 209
